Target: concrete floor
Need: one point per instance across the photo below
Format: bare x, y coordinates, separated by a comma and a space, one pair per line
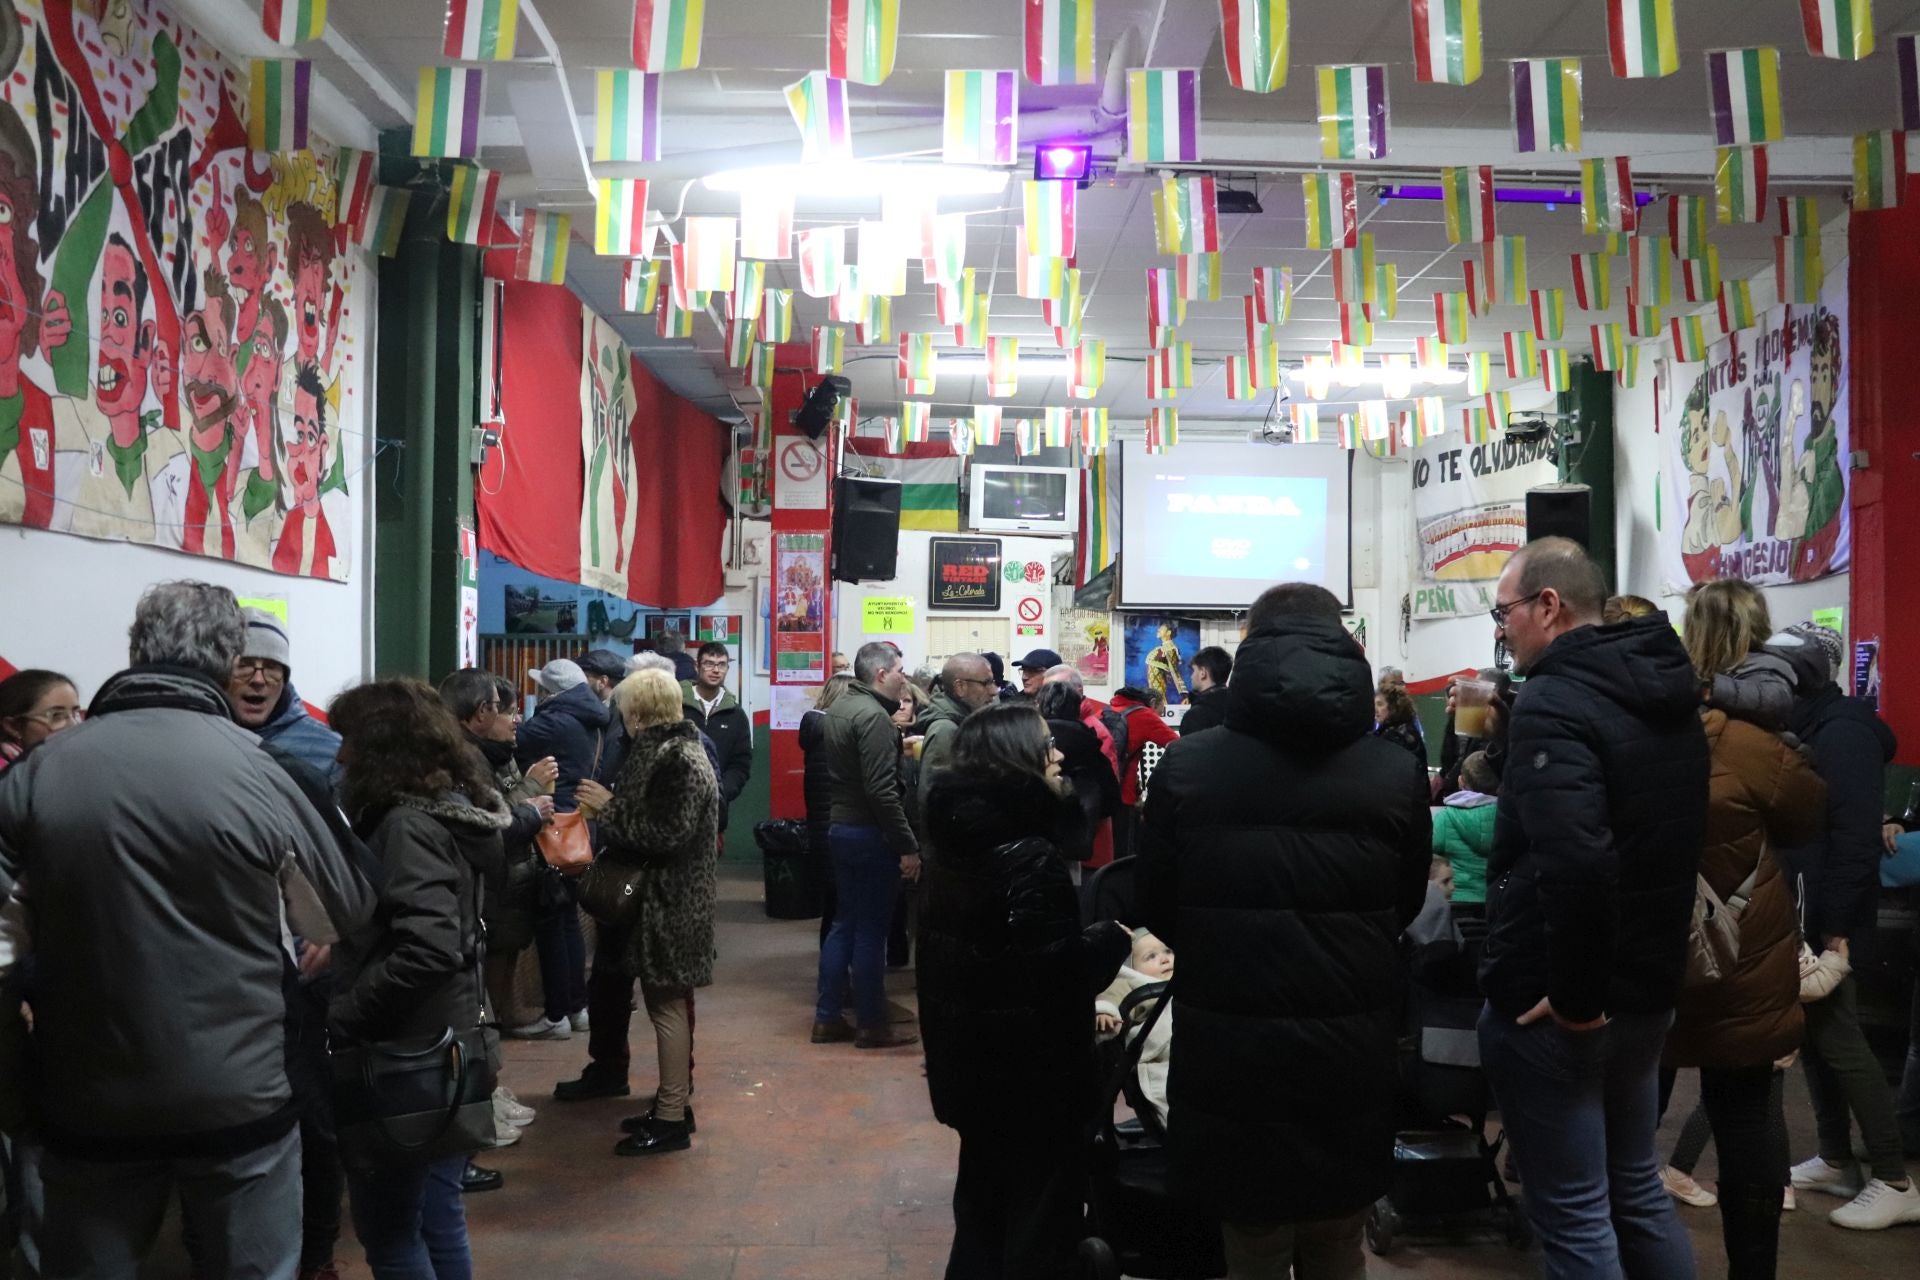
826, 1161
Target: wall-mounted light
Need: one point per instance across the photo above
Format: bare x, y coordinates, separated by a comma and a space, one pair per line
1063, 161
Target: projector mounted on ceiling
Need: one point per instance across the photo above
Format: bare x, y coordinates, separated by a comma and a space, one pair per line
1227, 200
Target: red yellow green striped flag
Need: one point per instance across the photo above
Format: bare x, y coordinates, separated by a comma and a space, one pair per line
1497, 275
1306, 422
1354, 279
1556, 366
1628, 374
917, 358
1253, 34
823, 257
1609, 342
1736, 305
1549, 308
1199, 276
481, 30
982, 121
1467, 192
829, 348
1797, 270
1056, 425
1059, 41
1169, 371
470, 202
739, 341
279, 91
1163, 116
1607, 201
1640, 39
749, 291
1446, 41
988, 420
1163, 429
1272, 295
1649, 271
1479, 372
971, 330
1089, 369
1332, 210
1166, 306
1356, 325
542, 252
1429, 419
861, 39
1700, 277
354, 178
1689, 339
666, 34
620, 218
1385, 303
1450, 311
776, 316
917, 418
1687, 225
1475, 425
1740, 184
1185, 216
1353, 112
760, 366
1592, 281
1430, 353
875, 326
1643, 321
293, 21
709, 244
1838, 28
673, 320
1799, 216
626, 119
1239, 378
1003, 365
1349, 426
1523, 354
1879, 169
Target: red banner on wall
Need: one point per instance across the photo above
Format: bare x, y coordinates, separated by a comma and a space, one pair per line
531, 497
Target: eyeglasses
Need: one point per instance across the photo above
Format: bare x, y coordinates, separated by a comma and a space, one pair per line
711, 665
267, 668
56, 718
1499, 612
986, 680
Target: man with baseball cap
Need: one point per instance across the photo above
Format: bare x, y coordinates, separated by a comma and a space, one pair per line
1034, 668
264, 700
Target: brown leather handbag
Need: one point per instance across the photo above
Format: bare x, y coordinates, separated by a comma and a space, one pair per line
565, 842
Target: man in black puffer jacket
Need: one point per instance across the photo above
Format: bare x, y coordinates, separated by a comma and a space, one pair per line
1281, 856
1603, 811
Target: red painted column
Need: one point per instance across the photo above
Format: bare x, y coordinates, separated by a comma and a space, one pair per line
1883, 380
792, 480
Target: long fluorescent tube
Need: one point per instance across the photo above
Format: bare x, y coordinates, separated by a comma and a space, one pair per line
861, 178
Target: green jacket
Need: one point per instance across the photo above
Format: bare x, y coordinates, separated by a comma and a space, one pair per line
937, 725
1464, 837
863, 757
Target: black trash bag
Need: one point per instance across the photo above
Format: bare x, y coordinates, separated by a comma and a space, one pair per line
793, 890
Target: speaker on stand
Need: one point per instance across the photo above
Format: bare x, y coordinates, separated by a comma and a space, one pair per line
866, 528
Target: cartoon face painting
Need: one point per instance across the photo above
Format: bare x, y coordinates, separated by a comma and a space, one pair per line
211, 389
126, 340
307, 446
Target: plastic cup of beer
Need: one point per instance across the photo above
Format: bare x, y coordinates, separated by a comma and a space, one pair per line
1472, 700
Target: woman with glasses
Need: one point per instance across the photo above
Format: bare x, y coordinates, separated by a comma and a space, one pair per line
35, 705
1005, 979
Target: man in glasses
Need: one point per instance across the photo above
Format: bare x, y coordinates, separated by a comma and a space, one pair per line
717, 713
265, 701
966, 685
1603, 806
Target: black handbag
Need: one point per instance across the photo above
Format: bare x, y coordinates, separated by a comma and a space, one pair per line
609, 891
420, 1100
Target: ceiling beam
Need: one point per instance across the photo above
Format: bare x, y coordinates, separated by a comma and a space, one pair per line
234, 29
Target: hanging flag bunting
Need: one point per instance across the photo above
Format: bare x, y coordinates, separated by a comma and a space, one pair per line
1349, 361
672, 320
1446, 41
1592, 281
1879, 169
1523, 354
1066, 325
279, 91
971, 331
739, 342
1744, 85
481, 30
1838, 28
766, 224
1037, 277
1687, 225
1272, 295
1628, 374
987, 419
1799, 216
353, 182
292, 22
1430, 354
1166, 306
1608, 342
1356, 326
823, 257
1349, 431
1064, 310
1353, 112
1332, 210
1055, 425
1163, 116
895, 433
626, 122
1169, 371
1499, 406
1689, 339
1907, 58
847, 305
1048, 217
639, 287
1386, 293
386, 217
1450, 316
1003, 366
1606, 196
949, 245
1263, 365
542, 255
917, 418
1476, 426
679, 281
1643, 322
1498, 274
1199, 275
666, 34
1374, 423
950, 302
982, 121
917, 359
861, 36
1396, 376
1091, 428
960, 433
1739, 184
470, 202
818, 104
883, 260
776, 316
875, 325
1254, 36
1354, 280
446, 112
1700, 277
1549, 314
1163, 430
1239, 378
1185, 217
1306, 422
1736, 305
1089, 369
1556, 366
1640, 39
620, 217
709, 244
829, 348
1317, 373
1059, 41
1479, 372
760, 366
1546, 104
1797, 270
1429, 419
1649, 271
1467, 193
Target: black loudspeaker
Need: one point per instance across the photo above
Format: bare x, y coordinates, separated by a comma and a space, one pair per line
866, 528
1560, 511
816, 415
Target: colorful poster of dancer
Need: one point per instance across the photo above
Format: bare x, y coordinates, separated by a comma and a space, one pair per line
1158, 649
800, 608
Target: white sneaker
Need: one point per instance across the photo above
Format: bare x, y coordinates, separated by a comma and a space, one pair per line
1817, 1175
1683, 1188
578, 1020
504, 1134
1787, 1202
558, 1029
510, 1109
1877, 1207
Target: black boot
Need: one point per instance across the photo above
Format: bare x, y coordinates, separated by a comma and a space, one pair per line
592, 1084
655, 1137
634, 1124
474, 1178
1750, 1225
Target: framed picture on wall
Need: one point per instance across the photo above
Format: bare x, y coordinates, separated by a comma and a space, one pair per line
659, 624
964, 573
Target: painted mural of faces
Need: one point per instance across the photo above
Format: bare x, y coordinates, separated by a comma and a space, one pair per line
126, 340
310, 252
251, 259
16, 300
307, 447
211, 387
266, 359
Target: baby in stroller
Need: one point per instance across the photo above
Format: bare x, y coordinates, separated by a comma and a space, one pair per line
1150, 962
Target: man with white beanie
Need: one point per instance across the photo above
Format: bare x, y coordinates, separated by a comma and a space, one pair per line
265, 701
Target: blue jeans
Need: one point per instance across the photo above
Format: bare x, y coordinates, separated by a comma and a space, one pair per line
563, 959
1581, 1108
410, 1220
866, 876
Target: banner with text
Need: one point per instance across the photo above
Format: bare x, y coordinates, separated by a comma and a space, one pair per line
1469, 515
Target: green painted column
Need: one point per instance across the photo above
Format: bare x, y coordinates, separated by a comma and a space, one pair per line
1590, 462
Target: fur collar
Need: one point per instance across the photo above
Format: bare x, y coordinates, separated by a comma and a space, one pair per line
491, 814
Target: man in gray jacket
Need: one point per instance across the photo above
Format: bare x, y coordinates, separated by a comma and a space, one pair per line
872, 846
164, 860
966, 685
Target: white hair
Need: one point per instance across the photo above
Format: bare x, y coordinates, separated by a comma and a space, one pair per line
650, 662
1068, 676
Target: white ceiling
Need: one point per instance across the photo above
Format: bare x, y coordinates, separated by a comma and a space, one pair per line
729, 112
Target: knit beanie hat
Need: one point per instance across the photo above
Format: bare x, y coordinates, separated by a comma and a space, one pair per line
267, 637
1824, 639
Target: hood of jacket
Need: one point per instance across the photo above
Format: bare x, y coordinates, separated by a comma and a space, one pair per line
1301, 683
578, 703
1638, 664
175, 688
474, 827
1811, 714
691, 700
972, 815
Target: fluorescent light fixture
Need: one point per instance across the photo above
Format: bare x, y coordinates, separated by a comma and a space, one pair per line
861, 178
1063, 161
1366, 374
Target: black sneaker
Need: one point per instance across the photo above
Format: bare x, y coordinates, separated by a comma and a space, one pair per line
654, 1138
634, 1124
474, 1178
590, 1085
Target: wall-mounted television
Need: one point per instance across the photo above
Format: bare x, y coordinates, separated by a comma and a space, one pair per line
1024, 499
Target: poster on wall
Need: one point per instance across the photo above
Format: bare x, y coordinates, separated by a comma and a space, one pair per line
178, 344
530, 611
1754, 479
1158, 651
1084, 638
607, 408
800, 608
964, 573
1469, 515
469, 599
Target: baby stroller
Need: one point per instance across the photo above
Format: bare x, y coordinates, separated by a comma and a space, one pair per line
1446, 1177
1135, 1226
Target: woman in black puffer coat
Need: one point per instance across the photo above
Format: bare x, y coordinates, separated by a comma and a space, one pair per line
1006, 981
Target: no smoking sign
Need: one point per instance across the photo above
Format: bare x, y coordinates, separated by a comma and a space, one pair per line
803, 475
1030, 609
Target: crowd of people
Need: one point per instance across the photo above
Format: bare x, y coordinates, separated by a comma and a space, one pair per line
1670, 841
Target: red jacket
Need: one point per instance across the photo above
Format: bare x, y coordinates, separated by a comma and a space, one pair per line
1144, 725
